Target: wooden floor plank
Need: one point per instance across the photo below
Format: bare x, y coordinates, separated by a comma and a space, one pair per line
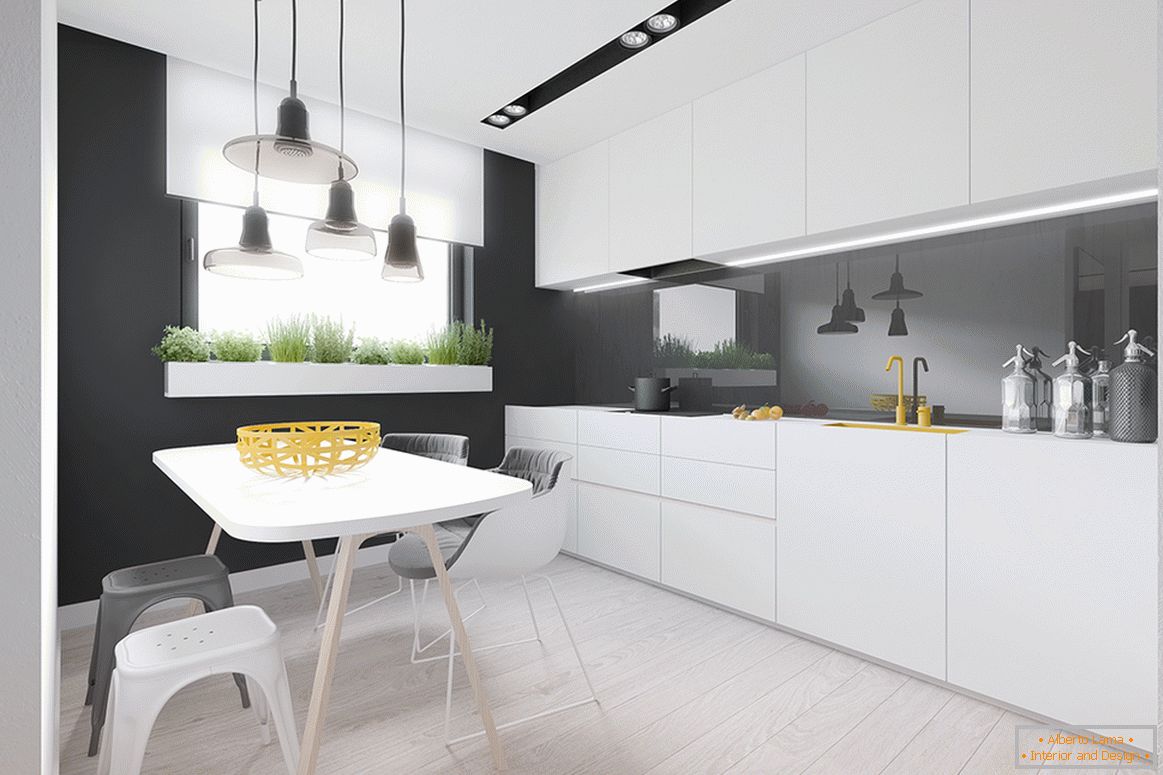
950, 738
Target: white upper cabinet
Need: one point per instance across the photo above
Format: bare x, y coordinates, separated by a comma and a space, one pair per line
888, 118
573, 216
748, 161
650, 192
1062, 93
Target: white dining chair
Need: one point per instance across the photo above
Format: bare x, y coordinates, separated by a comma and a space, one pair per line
504, 545
447, 447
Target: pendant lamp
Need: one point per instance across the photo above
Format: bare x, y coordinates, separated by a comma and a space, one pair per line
254, 257
848, 308
402, 259
897, 326
290, 154
837, 325
340, 236
896, 287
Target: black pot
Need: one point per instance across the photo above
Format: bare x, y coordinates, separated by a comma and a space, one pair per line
652, 394
694, 394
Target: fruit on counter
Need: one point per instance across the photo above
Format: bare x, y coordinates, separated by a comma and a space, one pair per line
739, 412
775, 413
764, 412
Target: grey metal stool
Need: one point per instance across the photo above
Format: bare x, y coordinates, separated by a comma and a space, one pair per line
126, 594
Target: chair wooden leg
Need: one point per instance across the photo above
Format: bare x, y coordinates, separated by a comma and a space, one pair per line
313, 569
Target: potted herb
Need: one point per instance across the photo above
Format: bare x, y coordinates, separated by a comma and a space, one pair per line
182, 344
236, 347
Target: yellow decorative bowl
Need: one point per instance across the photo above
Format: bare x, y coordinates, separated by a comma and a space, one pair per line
886, 402
316, 447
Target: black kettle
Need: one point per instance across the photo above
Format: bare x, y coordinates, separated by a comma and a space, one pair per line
651, 394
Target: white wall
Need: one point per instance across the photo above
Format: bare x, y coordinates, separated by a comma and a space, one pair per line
28, 649
984, 282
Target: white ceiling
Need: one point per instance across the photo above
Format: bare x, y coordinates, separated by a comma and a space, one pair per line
466, 58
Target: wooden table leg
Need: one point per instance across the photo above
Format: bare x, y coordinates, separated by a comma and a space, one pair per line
317, 712
313, 569
211, 547
427, 533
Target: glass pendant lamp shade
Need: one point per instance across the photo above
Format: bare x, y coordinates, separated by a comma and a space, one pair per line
289, 154
402, 259
896, 287
838, 324
340, 236
254, 258
897, 326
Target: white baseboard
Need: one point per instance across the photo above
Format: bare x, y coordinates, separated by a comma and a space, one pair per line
84, 614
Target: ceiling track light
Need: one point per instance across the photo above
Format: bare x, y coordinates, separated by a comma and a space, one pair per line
647, 33
254, 257
290, 154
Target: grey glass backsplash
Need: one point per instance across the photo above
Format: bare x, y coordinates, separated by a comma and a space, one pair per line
1085, 277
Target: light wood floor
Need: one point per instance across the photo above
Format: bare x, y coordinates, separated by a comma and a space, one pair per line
684, 688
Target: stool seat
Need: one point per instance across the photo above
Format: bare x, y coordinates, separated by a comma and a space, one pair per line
155, 663
158, 576
210, 638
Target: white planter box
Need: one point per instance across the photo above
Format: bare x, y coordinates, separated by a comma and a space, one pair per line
264, 378
725, 377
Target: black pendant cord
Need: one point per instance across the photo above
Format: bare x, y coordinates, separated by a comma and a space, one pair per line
837, 285
849, 275
342, 102
403, 134
294, 48
254, 99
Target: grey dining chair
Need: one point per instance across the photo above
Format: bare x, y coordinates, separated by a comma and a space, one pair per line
446, 447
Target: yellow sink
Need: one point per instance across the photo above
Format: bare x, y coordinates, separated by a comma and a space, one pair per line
882, 426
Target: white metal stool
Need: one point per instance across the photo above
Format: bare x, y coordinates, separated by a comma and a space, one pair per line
154, 663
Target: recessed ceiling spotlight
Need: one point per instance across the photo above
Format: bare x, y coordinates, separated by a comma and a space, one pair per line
662, 23
515, 110
499, 119
634, 39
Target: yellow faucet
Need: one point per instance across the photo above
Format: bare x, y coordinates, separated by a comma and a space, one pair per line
900, 387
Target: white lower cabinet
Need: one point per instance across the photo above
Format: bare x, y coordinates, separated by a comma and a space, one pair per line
619, 528
569, 485
720, 556
1052, 576
860, 559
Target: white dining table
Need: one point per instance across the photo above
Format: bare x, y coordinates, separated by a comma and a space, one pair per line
394, 492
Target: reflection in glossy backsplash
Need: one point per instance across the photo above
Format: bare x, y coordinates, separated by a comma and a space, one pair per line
776, 333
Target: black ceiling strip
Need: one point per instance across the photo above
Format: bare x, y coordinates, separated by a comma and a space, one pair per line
610, 55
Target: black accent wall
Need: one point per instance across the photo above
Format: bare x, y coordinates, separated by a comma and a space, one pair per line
120, 283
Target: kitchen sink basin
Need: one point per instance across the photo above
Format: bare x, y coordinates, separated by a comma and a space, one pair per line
888, 427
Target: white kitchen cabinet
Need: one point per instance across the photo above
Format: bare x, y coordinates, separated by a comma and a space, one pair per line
619, 528
1053, 576
748, 161
650, 192
638, 471
860, 559
573, 216
720, 556
568, 483
720, 440
549, 423
735, 488
1062, 93
619, 430
888, 118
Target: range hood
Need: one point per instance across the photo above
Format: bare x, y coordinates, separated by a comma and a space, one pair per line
675, 270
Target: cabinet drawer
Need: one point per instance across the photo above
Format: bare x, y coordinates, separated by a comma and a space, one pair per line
570, 483
618, 468
619, 528
549, 423
720, 441
734, 488
619, 430
720, 556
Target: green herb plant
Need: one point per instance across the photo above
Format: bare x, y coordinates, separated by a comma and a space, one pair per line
405, 351
182, 344
236, 347
371, 352
444, 344
729, 354
673, 351
331, 341
475, 346
289, 338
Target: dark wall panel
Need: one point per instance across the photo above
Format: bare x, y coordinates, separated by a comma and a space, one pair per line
120, 284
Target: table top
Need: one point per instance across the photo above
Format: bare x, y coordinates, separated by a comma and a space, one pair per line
392, 492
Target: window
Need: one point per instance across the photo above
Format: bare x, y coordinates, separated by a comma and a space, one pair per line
352, 290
